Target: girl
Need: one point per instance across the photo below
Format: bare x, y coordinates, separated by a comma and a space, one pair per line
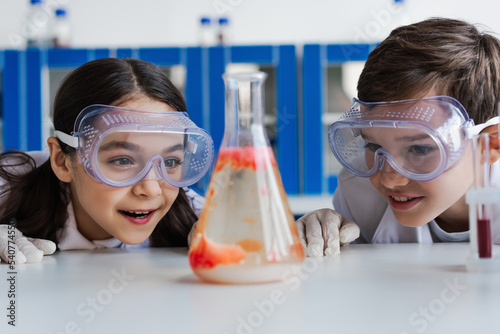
407, 183
120, 161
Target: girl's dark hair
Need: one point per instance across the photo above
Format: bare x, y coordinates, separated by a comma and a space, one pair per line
38, 200
449, 57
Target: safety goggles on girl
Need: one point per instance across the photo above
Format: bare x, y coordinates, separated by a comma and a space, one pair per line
418, 138
120, 147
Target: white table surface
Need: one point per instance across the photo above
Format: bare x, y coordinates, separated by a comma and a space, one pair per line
405, 288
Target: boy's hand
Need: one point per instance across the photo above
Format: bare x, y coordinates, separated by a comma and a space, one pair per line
323, 231
22, 249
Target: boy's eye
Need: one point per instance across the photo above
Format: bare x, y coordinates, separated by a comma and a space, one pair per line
372, 147
421, 149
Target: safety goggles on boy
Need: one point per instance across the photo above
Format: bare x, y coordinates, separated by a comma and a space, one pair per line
120, 147
419, 138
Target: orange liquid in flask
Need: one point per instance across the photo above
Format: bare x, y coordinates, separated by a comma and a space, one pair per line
246, 232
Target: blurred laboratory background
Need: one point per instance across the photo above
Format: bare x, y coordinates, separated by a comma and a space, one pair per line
312, 51
114, 23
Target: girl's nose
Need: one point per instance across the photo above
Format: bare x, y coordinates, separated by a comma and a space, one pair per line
149, 186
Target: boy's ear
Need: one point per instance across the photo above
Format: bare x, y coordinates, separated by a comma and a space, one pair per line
59, 161
492, 130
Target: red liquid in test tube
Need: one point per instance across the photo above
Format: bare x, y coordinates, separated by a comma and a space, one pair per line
484, 218
484, 238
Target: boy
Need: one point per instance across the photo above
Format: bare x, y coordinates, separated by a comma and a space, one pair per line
409, 186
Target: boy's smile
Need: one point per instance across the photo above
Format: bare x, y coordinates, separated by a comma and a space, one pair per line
415, 203
403, 202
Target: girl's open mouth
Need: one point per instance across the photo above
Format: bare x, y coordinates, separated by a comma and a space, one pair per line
138, 217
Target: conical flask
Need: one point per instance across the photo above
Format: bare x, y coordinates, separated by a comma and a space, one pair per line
246, 232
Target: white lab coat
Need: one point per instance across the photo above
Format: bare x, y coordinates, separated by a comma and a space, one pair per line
69, 236
357, 200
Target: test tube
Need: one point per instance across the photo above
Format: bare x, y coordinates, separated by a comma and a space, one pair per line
482, 180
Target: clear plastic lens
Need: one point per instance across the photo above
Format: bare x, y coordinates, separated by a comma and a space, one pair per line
123, 155
411, 150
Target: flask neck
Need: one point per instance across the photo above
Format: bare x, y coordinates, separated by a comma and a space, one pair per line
244, 109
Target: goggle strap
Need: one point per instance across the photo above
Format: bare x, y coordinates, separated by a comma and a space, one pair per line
67, 139
476, 129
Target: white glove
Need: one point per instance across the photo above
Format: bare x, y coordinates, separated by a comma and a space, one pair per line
22, 249
323, 231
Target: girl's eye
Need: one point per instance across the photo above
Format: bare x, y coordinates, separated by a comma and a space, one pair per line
372, 147
124, 161
422, 149
171, 163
